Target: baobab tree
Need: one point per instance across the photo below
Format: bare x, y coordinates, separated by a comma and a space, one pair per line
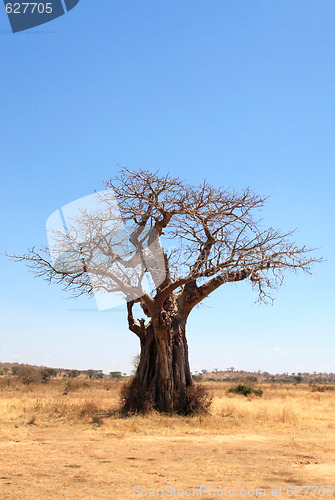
209, 237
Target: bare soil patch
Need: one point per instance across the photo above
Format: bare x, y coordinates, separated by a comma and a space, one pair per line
285, 439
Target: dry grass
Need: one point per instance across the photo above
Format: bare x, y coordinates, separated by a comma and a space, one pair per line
244, 440
80, 401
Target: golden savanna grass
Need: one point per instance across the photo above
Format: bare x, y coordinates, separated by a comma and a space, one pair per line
69, 437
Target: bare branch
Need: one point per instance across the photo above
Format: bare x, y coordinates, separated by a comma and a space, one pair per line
137, 328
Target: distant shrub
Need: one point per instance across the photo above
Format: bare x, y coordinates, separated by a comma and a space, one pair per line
28, 374
246, 390
14, 369
47, 373
93, 374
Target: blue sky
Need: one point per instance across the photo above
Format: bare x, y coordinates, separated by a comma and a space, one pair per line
242, 93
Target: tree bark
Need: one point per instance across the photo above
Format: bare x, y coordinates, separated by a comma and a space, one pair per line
163, 373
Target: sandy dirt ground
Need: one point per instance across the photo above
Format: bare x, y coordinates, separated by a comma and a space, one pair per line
85, 462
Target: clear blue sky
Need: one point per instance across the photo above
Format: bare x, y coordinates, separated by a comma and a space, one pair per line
242, 93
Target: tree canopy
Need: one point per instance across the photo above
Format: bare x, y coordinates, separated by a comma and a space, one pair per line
210, 235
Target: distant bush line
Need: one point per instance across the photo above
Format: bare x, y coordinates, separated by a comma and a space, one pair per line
29, 374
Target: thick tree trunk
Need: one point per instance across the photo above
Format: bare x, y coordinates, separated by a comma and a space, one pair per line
163, 374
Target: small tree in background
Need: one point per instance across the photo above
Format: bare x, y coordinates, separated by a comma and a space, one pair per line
73, 373
47, 374
136, 362
28, 374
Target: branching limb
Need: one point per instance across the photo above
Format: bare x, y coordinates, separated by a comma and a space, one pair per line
137, 328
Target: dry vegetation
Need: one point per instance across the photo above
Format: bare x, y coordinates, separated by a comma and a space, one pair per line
66, 439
